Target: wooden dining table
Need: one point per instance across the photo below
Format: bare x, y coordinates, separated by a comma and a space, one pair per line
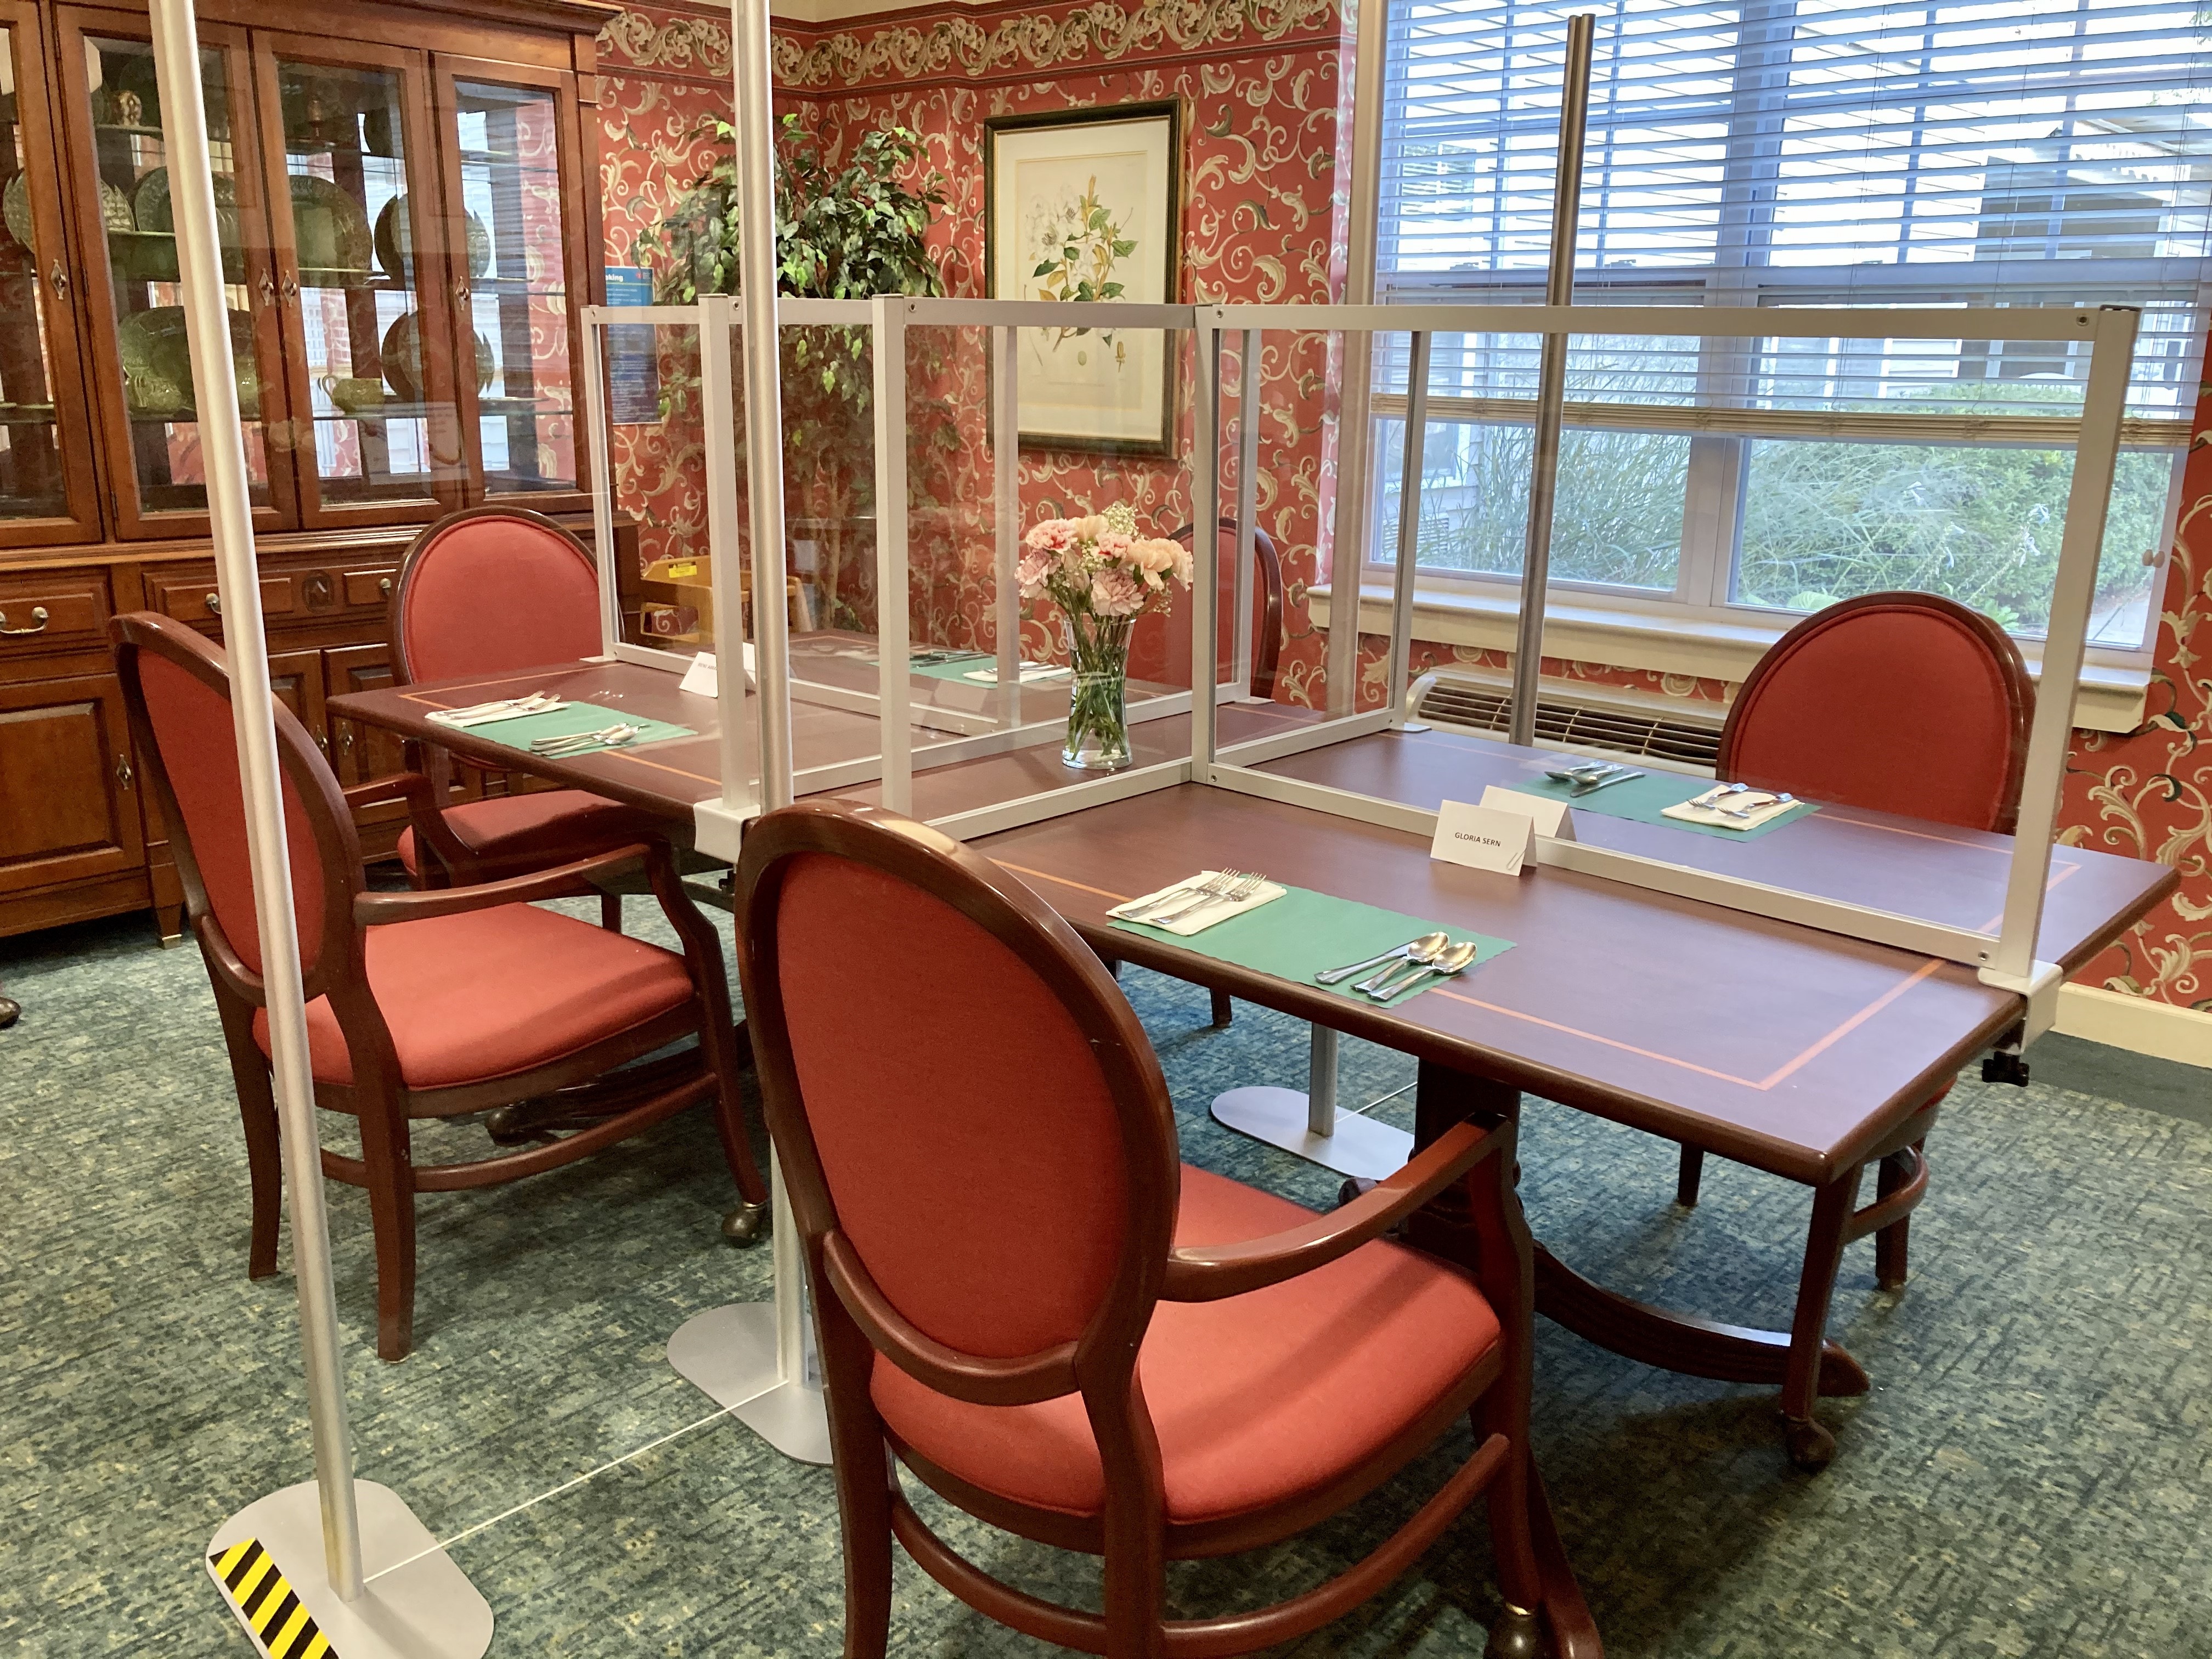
1799, 1052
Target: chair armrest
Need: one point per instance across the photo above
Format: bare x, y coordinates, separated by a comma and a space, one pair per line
423, 812
1207, 1272
561, 881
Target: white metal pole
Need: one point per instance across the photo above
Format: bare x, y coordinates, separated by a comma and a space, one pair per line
230, 514
718, 341
757, 263
1206, 549
2112, 353
598, 458
1247, 504
1409, 525
1347, 559
893, 643
1007, 504
1551, 381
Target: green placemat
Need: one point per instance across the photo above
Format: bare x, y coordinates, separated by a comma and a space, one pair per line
1644, 800
1304, 933
577, 717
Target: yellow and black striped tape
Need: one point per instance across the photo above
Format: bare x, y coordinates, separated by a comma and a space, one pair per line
271, 1609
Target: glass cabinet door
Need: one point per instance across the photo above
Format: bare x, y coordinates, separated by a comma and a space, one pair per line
510, 245
47, 489
144, 374
364, 321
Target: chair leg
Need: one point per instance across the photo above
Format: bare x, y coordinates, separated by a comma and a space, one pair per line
1812, 1447
1517, 1632
1688, 1177
1891, 1242
610, 912
1136, 1594
265, 1161
1223, 1013
391, 1170
866, 1479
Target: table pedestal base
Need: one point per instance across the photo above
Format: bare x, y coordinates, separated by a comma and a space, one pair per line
416, 1604
1310, 1125
1282, 1117
730, 1354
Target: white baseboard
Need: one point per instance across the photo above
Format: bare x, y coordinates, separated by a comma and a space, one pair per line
2135, 1024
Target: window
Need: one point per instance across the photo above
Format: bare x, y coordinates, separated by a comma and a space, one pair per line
1780, 152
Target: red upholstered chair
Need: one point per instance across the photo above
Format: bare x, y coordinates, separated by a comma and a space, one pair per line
1159, 644
1025, 1300
424, 1004
489, 591
1900, 702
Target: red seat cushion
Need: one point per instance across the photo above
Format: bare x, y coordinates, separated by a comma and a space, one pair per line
513, 833
490, 993
1256, 1399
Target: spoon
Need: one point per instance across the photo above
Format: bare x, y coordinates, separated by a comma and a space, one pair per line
1753, 808
1421, 950
1452, 959
1431, 941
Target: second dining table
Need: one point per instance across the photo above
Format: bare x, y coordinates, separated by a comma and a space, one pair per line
1801, 1053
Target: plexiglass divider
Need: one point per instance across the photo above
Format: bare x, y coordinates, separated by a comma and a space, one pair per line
1229, 748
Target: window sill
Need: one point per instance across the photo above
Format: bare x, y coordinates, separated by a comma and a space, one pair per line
2110, 698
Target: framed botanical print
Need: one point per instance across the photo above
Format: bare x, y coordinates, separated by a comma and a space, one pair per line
1087, 205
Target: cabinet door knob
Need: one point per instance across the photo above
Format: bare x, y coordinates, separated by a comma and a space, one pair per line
291, 286
38, 621
122, 773
59, 275
214, 605
346, 737
384, 587
268, 286
461, 292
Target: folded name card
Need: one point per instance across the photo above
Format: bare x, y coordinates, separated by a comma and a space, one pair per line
1549, 814
1483, 837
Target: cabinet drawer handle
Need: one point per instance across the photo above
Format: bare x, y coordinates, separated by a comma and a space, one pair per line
38, 621
59, 275
123, 773
214, 605
346, 737
384, 587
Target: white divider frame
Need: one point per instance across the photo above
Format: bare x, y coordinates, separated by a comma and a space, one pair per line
2006, 960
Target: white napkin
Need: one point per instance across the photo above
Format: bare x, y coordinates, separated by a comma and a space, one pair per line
1032, 672
1689, 812
458, 717
1199, 919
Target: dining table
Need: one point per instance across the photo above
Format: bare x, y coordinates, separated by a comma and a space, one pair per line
1809, 1055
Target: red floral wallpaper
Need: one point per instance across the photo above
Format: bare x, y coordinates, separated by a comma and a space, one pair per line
1263, 149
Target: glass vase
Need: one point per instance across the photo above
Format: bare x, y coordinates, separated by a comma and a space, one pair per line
1098, 720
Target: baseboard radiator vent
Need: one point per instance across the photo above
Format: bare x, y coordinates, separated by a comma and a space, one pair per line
1683, 740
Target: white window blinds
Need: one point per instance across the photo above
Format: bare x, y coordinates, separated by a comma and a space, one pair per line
1816, 152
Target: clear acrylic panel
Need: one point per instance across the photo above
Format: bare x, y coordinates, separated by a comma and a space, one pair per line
511, 224
656, 443
154, 358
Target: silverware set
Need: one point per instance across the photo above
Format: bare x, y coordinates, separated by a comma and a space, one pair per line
936, 658
1592, 776
581, 743
504, 708
1740, 800
1406, 966
1228, 887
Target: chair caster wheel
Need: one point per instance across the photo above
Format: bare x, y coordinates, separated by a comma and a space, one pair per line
1517, 1635
1812, 1448
746, 1224
11, 1012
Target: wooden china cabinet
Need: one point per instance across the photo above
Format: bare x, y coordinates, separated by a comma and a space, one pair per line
408, 200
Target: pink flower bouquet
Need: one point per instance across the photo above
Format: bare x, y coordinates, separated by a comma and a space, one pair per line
1103, 576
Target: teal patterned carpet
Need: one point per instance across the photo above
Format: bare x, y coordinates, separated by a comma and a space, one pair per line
2029, 1476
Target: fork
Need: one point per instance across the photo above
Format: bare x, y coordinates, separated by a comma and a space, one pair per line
1236, 892
575, 743
1211, 887
535, 702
